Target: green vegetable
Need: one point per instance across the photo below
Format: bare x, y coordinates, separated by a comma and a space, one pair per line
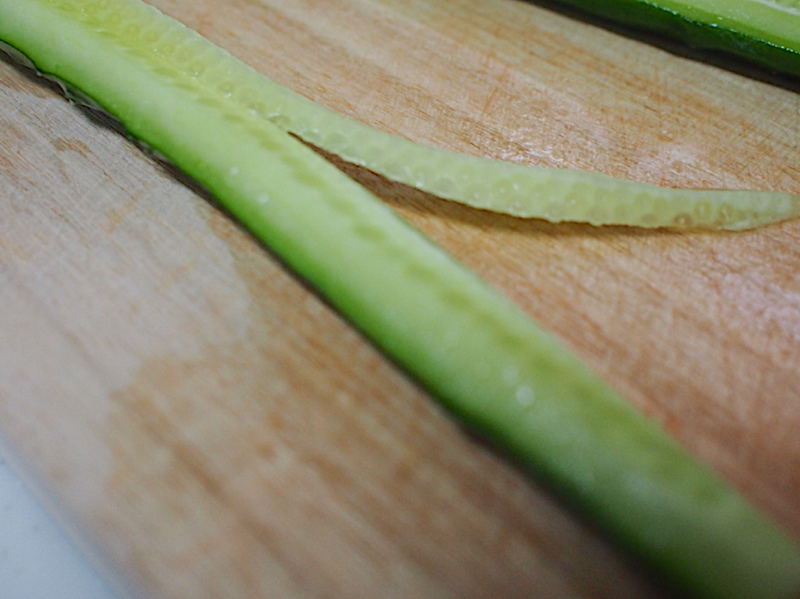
473, 349
521, 190
764, 32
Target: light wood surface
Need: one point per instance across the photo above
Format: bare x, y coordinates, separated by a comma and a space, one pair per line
213, 429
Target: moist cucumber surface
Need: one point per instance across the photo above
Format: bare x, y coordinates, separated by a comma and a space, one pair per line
520, 190
472, 348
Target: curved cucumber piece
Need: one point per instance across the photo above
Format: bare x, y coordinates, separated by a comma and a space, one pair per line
475, 350
764, 32
520, 190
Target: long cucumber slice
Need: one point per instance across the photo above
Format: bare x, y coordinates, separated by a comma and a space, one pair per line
520, 190
764, 32
475, 350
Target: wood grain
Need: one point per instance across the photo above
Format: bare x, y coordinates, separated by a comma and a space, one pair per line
214, 429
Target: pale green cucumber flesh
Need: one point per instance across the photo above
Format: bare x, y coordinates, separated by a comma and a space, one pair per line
520, 190
475, 350
764, 32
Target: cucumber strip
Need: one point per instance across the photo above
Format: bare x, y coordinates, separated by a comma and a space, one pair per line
520, 190
764, 32
471, 347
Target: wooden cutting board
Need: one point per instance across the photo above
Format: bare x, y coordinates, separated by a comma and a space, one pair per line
211, 428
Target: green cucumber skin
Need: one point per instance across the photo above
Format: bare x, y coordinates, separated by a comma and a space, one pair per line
777, 52
470, 346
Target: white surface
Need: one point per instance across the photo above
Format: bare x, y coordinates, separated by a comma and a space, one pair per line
37, 560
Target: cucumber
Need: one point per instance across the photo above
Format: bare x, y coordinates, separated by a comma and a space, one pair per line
763, 32
477, 352
520, 190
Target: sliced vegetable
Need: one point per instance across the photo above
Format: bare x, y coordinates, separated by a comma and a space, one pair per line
764, 32
520, 190
475, 350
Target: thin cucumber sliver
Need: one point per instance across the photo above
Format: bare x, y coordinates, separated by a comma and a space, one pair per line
476, 351
520, 190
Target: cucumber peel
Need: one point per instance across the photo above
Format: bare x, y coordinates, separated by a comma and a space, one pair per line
763, 32
469, 345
